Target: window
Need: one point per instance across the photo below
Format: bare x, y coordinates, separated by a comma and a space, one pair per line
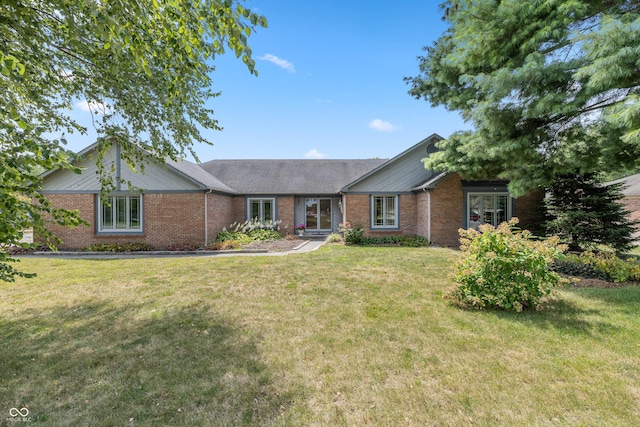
120, 214
261, 209
384, 212
487, 208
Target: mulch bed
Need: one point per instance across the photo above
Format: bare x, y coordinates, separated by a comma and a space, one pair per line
578, 282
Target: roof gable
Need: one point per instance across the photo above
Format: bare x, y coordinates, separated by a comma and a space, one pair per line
631, 185
402, 173
171, 176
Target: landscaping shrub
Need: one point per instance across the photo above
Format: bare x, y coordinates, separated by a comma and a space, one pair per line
599, 265
119, 247
574, 267
416, 241
504, 269
410, 241
182, 247
237, 236
334, 238
352, 235
249, 231
23, 249
222, 246
262, 234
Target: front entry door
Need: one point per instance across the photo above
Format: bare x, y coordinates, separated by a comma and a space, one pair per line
318, 214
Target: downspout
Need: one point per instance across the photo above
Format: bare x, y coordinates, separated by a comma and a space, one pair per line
429, 216
428, 213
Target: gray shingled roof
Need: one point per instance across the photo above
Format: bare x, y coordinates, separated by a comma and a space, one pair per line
289, 176
196, 173
631, 185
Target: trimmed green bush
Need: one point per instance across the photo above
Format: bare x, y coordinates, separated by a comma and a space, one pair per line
504, 269
411, 241
119, 247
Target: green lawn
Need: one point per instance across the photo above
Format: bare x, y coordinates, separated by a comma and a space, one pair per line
341, 336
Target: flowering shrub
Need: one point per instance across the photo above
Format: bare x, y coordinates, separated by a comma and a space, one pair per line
503, 269
352, 235
334, 238
249, 231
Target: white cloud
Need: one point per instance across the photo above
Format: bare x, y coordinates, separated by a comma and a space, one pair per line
314, 154
382, 126
93, 107
282, 63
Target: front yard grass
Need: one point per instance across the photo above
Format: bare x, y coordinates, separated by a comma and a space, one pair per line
340, 336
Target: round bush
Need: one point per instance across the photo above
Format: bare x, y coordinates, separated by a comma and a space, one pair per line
504, 269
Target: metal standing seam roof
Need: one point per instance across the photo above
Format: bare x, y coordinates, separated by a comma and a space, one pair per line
317, 176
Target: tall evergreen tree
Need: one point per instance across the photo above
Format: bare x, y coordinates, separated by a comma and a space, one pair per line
549, 86
586, 213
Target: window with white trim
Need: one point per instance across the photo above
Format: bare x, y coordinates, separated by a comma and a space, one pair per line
488, 208
261, 209
120, 214
384, 212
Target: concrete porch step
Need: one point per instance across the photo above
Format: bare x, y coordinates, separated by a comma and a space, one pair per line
313, 236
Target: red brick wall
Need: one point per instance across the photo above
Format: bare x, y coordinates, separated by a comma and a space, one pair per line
286, 212
174, 218
169, 218
81, 236
220, 214
358, 211
446, 211
239, 209
529, 210
632, 204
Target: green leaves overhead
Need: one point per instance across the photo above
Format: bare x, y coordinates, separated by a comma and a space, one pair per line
144, 67
549, 86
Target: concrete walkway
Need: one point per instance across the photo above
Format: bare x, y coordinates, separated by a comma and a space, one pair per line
303, 247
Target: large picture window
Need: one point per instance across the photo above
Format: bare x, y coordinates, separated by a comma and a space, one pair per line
384, 212
120, 214
488, 208
261, 209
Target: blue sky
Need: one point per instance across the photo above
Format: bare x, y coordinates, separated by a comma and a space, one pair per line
330, 84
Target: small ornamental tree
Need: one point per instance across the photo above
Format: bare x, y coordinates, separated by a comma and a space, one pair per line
505, 269
585, 213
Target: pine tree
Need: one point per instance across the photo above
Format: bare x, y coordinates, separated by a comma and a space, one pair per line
549, 87
586, 213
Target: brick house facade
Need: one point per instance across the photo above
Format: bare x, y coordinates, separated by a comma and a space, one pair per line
187, 203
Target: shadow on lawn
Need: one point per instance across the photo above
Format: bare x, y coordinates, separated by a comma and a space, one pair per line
95, 364
563, 315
